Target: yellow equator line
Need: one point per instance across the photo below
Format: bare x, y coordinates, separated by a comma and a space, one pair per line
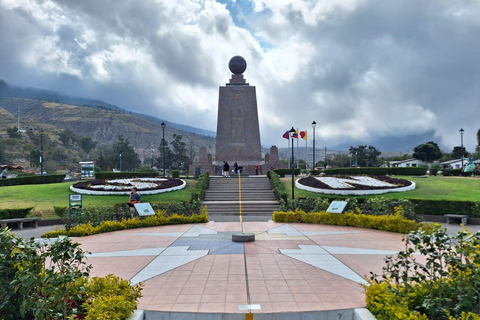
240, 195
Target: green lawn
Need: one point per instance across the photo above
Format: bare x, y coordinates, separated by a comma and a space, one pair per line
45, 196
434, 188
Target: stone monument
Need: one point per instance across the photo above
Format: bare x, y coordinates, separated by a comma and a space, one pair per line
238, 133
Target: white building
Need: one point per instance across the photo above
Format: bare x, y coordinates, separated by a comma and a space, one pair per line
403, 163
454, 164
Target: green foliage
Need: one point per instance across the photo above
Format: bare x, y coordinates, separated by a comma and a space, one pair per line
126, 175
111, 298
442, 207
175, 173
427, 152
42, 179
14, 213
452, 172
60, 211
283, 172
40, 281
395, 222
158, 219
436, 277
366, 156
201, 186
397, 171
13, 133
277, 186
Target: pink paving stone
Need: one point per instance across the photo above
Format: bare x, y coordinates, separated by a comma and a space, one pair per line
217, 283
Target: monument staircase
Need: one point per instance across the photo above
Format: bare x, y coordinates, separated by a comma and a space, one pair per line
253, 194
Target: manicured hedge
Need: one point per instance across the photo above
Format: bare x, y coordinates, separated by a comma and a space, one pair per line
119, 175
410, 171
442, 207
201, 186
394, 223
277, 185
56, 178
283, 172
14, 213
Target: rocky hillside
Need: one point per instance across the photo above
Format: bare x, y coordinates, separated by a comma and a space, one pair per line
100, 123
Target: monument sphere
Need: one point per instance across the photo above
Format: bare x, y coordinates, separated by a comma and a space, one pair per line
237, 65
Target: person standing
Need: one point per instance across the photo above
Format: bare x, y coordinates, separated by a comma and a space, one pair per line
226, 168
256, 169
235, 167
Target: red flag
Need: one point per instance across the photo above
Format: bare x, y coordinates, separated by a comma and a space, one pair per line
295, 135
286, 135
303, 135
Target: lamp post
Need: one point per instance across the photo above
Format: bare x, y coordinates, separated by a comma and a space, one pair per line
461, 141
152, 155
163, 146
41, 151
292, 164
325, 162
314, 124
121, 168
356, 163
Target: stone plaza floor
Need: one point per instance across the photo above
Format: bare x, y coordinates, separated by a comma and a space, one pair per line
289, 268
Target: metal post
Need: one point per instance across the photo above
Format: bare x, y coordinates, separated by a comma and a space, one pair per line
121, 168
163, 146
356, 163
461, 139
314, 124
325, 162
292, 131
41, 152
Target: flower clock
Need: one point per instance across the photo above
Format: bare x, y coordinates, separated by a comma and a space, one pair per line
123, 186
354, 185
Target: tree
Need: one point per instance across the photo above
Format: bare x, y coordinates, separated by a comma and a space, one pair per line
427, 152
34, 158
65, 137
3, 157
459, 152
86, 143
129, 158
13, 133
180, 158
366, 156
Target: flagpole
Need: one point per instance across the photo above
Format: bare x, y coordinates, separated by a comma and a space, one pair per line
306, 151
289, 161
298, 133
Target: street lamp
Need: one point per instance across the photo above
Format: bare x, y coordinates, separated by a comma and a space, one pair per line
325, 162
292, 164
41, 151
121, 168
356, 158
314, 124
163, 146
461, 141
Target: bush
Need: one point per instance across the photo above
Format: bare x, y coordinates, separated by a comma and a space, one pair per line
14, 213
201, 186
175, 173
60, 211
452, 172
43, 179
277, 186
394, 223
442, 207
158, 219
397, 171
126, 175
283, 172
441, 284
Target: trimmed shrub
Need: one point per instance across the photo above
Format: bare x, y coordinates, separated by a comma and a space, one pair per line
201, 186
158, 219
277, 186
43, 179
442, 207
283, 172
397, 171
120, 175
15, 213
394, 223
175, 173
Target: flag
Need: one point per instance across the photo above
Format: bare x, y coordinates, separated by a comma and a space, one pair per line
286, 135
303, 135
295, 135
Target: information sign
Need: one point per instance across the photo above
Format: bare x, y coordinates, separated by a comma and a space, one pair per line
144, 209
337, 206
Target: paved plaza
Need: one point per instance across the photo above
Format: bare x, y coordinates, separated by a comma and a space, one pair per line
289, 268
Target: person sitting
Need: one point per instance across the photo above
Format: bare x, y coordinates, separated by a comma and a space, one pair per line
134, 197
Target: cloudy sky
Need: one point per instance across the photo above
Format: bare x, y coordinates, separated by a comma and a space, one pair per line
362, 69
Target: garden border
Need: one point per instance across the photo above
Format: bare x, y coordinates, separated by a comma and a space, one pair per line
123, 193
354, 192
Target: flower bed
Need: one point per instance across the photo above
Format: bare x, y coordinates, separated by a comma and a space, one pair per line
354, 185
123, 186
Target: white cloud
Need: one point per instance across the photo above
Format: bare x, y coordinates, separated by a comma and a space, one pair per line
361, 69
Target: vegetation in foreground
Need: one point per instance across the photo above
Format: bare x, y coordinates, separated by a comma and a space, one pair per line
51, 281
435, 278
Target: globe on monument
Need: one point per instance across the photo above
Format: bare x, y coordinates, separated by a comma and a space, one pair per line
237, 65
